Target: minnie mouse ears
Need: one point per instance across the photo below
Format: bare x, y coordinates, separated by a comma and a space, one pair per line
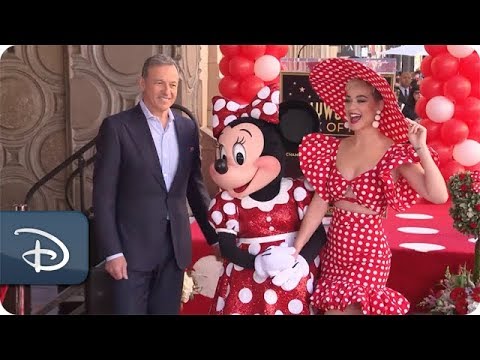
297, 119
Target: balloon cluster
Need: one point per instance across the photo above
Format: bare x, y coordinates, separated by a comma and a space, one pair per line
248, 68
450, 105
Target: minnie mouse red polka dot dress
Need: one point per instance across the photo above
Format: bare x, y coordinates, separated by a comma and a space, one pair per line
355, 262
257, 226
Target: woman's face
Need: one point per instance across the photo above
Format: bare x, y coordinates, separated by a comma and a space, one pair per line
416, 95
360, 105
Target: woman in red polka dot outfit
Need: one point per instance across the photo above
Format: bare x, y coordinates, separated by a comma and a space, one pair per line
385, 163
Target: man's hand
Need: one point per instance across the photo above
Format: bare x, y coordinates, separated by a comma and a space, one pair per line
217, 252
117, 268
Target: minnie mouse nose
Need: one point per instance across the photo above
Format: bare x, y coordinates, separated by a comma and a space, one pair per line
221, 166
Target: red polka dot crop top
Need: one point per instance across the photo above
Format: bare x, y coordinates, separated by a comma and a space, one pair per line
373, 189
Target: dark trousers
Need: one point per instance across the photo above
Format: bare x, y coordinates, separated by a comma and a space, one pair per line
157, 291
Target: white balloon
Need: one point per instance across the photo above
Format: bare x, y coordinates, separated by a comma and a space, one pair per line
460, 51
440, 109
267, 67
467, 153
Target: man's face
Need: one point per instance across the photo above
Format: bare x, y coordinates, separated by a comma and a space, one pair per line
405, 79
160, 88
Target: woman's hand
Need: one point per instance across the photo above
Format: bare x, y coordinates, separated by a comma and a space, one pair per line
417, 134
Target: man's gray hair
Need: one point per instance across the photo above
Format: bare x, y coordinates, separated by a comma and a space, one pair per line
158, 60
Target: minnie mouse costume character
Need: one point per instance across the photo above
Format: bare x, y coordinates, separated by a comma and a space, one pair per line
257, 214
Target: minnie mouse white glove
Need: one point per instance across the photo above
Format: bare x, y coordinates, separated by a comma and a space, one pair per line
274, 260
288, 279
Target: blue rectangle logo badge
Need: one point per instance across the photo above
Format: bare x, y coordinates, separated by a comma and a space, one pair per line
43, 247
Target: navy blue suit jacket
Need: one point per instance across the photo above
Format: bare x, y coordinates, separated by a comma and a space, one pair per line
130, 198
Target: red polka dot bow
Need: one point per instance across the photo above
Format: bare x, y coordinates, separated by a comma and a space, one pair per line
264, 106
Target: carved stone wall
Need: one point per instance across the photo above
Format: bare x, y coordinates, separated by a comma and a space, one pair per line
32, 125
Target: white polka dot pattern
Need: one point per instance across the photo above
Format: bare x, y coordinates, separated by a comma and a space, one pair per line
270, 296
245, 295
329, 78
242, 290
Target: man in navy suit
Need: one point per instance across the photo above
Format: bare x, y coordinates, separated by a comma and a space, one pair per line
147, 166
404, 88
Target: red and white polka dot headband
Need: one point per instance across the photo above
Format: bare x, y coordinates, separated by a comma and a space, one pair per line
329, 79
264, 106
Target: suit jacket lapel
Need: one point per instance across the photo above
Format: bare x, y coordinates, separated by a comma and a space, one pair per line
143, 139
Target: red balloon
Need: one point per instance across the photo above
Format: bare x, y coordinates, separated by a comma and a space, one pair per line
433, 129
445, 153
435, 49
454, 131
229, 87
224, 65
425, 66
476, 88
278, 51
458, 87
253, 52
471, 106
430, 87
250, 86
470, 66
240, 67
239, 100
459, 112
474, 130
230, 50
451, 168
420, 107
444, 66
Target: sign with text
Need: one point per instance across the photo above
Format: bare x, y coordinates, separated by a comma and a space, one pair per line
43, 247
296, 86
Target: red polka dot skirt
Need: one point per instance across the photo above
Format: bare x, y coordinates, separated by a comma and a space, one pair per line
355, 264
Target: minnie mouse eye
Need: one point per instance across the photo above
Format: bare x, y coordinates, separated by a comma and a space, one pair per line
239, 154
221, 153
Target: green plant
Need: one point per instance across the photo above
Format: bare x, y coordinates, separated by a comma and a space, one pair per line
465, 210
456, 294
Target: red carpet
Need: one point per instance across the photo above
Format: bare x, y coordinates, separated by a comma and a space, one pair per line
413, 272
